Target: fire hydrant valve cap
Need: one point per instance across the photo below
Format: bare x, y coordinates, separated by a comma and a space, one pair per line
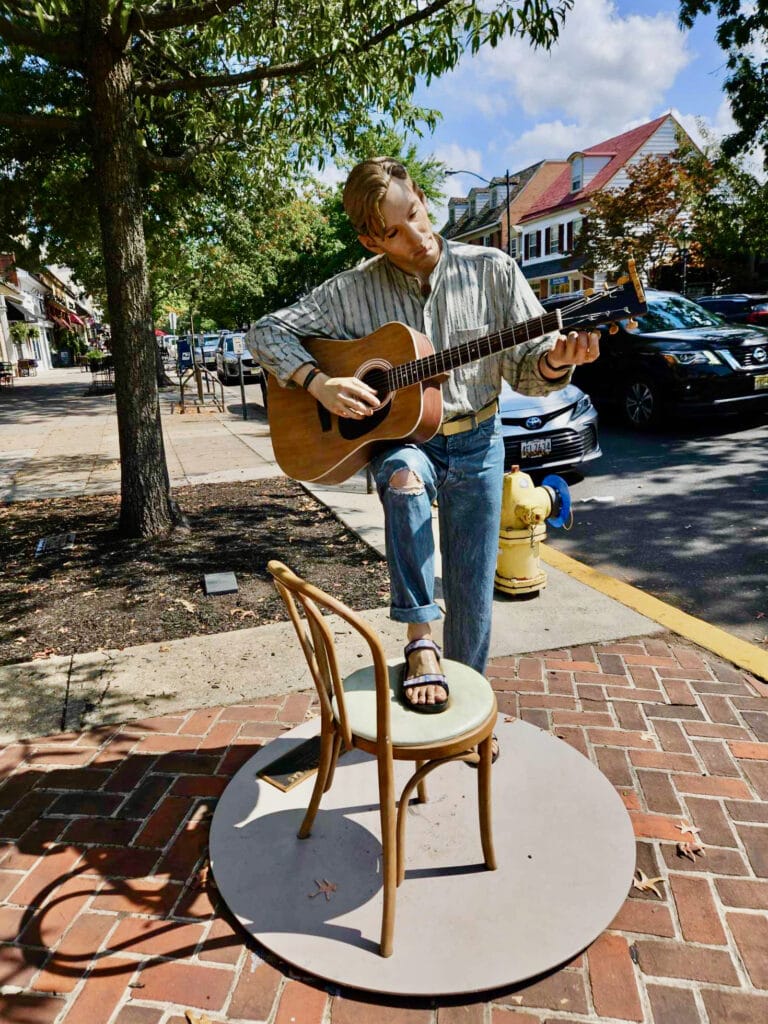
562, 505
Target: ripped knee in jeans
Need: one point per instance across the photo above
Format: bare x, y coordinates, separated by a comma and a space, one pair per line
406, 482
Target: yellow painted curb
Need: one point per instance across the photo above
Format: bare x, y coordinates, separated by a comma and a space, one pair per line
732, 648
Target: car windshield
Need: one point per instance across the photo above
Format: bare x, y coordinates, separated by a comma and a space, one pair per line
674, 313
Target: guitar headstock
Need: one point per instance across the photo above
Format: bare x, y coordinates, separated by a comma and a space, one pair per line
621, 301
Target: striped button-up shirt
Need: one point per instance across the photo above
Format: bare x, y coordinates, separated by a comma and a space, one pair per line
473, 291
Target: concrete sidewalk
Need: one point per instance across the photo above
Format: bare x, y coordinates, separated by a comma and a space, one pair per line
113, 761
71, 448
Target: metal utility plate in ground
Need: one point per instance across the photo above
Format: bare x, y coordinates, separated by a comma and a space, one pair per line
564, 843
220, 583
54, 543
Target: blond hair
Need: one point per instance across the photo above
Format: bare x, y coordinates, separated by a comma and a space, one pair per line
366, 186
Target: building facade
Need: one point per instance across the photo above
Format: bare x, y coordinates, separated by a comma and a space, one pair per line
549, 227
548, 201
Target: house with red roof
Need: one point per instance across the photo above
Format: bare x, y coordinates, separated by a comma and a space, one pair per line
489, 214
548, 229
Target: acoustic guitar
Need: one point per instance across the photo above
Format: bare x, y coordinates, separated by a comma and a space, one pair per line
400, 364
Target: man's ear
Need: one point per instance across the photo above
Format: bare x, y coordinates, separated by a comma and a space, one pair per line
369, 243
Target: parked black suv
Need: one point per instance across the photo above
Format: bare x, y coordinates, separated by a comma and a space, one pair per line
680, 359
739, 309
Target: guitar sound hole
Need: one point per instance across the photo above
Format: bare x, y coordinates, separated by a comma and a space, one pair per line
351, 430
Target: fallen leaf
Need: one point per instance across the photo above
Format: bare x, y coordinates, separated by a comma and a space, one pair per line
47, 652
690, 850
197, 1018
204, 878
325, 888
686, 827
163, 648
646, 884
185, 604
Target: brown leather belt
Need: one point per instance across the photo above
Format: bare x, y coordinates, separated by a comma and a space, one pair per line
462, 423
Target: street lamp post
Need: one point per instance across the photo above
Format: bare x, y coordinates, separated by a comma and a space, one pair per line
684, 251
508, 181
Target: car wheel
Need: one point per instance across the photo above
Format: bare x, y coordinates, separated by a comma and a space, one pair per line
640, 403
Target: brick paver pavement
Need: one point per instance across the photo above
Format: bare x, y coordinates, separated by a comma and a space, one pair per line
107, 915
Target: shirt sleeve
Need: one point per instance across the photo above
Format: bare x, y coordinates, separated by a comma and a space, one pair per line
520, 365
276, 338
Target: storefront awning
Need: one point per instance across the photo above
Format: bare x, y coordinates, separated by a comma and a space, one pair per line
17, 312
61, 323
9, 290
76, 320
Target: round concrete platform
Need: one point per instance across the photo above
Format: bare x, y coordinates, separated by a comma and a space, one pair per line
564, 844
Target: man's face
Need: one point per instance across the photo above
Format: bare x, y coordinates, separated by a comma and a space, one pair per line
408, 239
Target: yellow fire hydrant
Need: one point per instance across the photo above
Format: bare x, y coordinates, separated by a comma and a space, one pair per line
525, 509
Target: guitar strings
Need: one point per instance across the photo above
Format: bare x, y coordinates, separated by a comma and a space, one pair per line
416, 370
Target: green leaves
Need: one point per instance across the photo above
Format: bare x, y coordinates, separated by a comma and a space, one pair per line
742, 33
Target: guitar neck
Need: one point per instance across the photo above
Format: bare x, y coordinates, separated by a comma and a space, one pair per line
428, 367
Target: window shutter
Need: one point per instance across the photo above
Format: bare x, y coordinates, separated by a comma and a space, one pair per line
547, 247
538, 243
561, 238
527, 245
569, 243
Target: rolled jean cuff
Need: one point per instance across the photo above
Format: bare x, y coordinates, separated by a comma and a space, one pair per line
426, 613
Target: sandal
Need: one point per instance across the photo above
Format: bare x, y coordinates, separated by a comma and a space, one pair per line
494, 755
431, 679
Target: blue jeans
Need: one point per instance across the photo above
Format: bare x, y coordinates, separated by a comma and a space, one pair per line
464, 472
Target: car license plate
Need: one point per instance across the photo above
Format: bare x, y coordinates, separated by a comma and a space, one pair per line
541, 446
761, 381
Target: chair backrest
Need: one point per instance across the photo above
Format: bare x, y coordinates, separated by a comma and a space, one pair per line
320, 649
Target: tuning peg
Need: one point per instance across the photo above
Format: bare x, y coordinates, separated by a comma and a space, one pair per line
623, 280
606, 286
631, 324
613, 329
589, 291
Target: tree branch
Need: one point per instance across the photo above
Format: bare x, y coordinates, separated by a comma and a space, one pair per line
48, 124
193, 83
64, 47
165, 164
179, 17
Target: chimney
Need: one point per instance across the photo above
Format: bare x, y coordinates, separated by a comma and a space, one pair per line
7, 268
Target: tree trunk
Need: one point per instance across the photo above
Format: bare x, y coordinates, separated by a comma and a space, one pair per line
146, 507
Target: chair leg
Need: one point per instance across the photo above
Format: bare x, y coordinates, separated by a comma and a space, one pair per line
337, 741
484, 771
421, 790
327, 744
389, 853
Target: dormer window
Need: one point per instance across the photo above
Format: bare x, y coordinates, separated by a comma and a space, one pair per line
577, 173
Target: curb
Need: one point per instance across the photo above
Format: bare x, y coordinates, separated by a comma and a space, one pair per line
742, 653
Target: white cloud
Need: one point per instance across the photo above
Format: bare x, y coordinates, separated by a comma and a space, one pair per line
330, 175
717, 128
604, 71
607, 74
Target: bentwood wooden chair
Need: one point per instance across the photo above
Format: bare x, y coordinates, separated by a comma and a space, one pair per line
363, 711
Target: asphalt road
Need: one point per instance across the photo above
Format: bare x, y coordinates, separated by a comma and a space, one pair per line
682, 514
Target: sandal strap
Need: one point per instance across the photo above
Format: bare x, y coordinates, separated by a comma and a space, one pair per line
423, 643
427, 680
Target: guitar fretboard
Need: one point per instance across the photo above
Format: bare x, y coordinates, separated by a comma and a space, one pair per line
407, 374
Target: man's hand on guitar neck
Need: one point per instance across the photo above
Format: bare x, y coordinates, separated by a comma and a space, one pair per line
345, 396
573, 349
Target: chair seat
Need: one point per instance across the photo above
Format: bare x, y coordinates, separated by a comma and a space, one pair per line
470, 703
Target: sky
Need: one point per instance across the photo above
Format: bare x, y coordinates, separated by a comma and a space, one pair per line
617, 64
